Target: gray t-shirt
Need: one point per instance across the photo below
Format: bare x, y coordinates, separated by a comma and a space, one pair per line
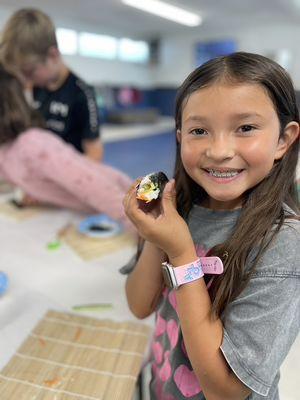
260, 325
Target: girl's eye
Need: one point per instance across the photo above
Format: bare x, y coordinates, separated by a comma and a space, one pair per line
247, 128
199, 132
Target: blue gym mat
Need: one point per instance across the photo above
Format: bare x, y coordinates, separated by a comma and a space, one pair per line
138, 157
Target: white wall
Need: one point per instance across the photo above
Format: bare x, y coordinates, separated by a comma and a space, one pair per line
177, 53
177, 60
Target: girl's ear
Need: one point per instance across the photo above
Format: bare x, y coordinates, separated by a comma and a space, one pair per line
178, 135
291, 133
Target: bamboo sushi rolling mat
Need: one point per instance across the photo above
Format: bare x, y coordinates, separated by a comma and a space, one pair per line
89, 248
69, 357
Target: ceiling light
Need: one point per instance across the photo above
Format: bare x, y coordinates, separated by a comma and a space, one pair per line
166, 11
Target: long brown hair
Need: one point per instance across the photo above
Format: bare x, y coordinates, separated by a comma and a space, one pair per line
15, 113
263, 204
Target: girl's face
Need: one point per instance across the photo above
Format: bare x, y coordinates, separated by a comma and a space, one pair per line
229, 140
42, 73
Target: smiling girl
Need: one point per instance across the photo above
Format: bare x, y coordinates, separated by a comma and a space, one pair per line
224, 336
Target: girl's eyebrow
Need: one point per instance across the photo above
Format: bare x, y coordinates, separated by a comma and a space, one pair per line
247, 115
195, 118
238, 116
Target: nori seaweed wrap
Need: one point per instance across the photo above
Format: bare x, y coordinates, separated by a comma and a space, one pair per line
151, 186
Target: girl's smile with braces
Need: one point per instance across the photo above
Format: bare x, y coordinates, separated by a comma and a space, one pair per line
224, 173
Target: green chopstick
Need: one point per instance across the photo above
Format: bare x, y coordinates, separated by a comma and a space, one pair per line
93, 307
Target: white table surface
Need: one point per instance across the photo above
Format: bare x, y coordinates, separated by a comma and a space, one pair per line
42, 279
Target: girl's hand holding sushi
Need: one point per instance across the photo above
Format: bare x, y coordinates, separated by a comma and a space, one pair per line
165, 227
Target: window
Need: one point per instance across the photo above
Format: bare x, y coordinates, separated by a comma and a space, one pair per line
134, 51
88, 44
99, 46
67, 41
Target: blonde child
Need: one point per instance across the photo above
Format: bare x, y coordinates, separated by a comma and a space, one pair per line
67, 103
233, 197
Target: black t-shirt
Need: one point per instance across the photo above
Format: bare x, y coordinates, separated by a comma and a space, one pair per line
70, 111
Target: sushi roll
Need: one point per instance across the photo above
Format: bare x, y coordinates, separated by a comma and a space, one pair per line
151, 186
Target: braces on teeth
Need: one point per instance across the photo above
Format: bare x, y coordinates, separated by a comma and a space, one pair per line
223, 174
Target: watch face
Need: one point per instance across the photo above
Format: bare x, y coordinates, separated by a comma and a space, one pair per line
167, 276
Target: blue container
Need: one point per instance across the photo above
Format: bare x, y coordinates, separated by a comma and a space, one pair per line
99, 226
3, 283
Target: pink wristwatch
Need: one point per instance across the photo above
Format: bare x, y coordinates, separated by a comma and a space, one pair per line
175, 277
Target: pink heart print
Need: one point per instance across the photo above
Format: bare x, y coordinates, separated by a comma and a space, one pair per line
159, 386
186, 381
166, 370
157, 352
160, 326
172, 332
